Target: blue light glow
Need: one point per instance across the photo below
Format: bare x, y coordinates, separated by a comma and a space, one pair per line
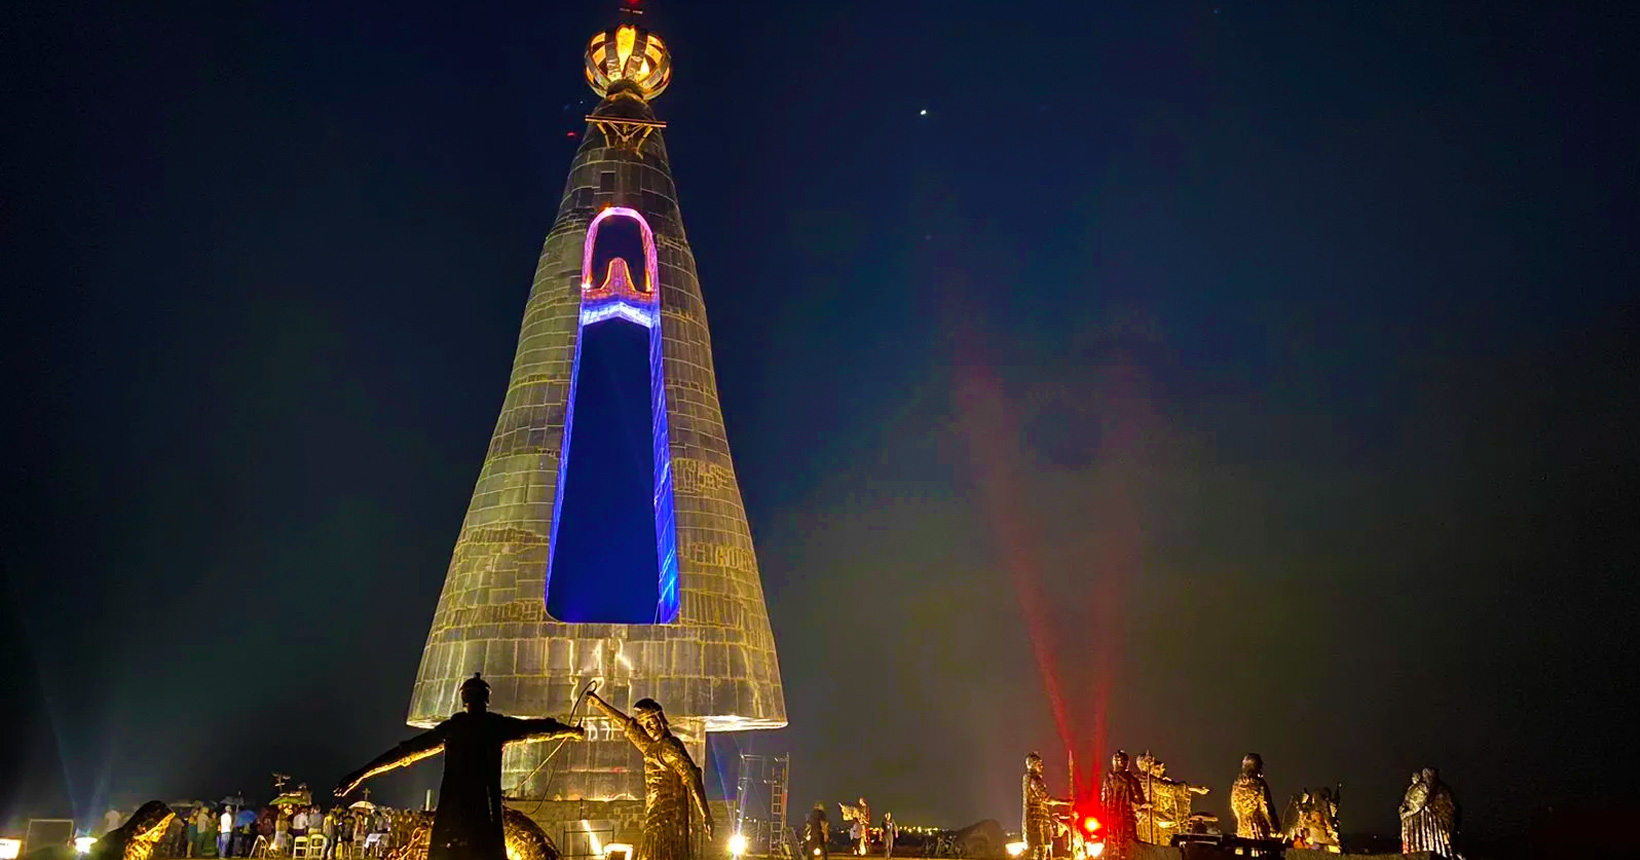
619, 299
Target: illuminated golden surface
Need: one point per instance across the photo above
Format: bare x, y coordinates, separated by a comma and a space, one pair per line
1169, 800
1038, 824
135, 840
1314, 822
1121, 796
525, 840
715, 665
1250, 802
1428, 814
674, 791
631, 55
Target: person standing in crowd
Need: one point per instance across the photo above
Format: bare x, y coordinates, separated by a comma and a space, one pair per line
266, 825
298, 822
361, 831
244, 832
281, 832
175, 841
890, 831
207, 832
330, 833
224, 832
816, 833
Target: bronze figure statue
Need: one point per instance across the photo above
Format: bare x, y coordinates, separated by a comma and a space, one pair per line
1429, 815
136, 838
1122, 797
1169, 800
1311, 821
673, 788
524, 839
1250, 801
860, 816
1038, 824
468, 824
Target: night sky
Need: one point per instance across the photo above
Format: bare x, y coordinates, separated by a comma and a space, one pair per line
1253, 376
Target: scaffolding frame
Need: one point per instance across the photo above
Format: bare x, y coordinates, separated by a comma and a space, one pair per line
763, 788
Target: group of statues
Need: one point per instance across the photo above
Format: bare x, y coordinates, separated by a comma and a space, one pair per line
1151, 807
817, 830
472, 823
1429, 815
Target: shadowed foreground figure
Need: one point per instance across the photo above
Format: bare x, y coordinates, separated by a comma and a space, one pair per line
672, 783
816, 833
468, 824
135, 839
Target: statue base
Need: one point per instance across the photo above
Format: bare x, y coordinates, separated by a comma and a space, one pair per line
581, 828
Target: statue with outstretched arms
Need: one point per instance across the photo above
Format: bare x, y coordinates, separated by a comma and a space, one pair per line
469, 821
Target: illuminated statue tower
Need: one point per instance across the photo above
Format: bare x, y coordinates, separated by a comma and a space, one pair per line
540, 590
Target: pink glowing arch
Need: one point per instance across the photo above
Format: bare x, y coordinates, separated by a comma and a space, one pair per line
650, 263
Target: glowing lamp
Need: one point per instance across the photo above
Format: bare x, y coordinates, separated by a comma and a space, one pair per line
617, 851
631, 54
10, 848
737, 845
83, 844
1015, 849
817, 852
1090, 824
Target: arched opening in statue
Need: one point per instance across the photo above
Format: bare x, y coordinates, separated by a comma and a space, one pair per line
613, 558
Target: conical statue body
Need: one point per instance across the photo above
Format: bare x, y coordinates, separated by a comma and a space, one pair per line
710, 658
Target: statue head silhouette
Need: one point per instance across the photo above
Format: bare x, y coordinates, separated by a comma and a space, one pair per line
475, 693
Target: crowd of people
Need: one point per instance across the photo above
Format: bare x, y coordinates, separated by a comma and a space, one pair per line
292, 826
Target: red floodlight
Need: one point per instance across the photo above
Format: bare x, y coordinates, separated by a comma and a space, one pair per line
1090, 824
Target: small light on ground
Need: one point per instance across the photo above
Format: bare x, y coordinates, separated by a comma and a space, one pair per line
10, 848
737, 845
83, 844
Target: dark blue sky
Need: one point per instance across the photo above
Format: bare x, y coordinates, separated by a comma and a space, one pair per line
1286, 350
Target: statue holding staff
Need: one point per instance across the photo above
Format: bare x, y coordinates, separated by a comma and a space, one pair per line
673, 788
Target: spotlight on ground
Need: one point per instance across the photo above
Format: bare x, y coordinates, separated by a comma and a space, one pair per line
10, 848
737, 845
617, 851
1016, 849
82, 844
